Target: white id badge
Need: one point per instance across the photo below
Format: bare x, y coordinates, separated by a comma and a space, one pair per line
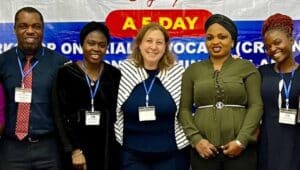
147, 113
23, 95
287, 116
92, 118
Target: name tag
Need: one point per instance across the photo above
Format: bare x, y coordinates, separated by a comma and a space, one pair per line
23, 95
92, 118
147, 113
287, 116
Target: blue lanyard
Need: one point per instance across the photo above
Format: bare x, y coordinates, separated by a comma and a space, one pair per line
24, 74
287, 88
92, 92
148, 90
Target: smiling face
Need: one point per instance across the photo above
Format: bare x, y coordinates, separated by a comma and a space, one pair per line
94, 47
152, 48
29, 30
278, 45
218, 41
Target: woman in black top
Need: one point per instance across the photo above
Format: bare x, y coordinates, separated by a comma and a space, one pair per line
85, 98
279, 147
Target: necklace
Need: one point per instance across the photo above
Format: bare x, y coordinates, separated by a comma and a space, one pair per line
90, 77
92, 82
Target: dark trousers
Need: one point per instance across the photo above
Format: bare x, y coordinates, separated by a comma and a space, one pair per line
246, 161
135, 160
40, 154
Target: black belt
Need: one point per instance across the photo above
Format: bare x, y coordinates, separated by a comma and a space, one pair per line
32, 138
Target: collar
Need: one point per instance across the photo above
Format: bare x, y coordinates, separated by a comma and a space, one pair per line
143, 75
36, 56
226, 64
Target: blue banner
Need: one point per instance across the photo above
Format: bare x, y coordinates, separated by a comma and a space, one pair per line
64, 38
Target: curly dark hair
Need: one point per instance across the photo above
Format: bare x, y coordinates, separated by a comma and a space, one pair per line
278, 21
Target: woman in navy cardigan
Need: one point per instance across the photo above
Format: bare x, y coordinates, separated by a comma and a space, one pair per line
148, 99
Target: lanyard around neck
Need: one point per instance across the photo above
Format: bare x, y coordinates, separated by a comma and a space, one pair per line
148, 90
92, 92
286, 87
24, 74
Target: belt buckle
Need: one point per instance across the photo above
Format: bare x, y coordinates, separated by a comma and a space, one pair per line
32, 140
219, 105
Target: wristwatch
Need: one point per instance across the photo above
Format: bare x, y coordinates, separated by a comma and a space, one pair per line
239, 143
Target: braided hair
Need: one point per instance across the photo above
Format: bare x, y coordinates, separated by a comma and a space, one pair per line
278, 21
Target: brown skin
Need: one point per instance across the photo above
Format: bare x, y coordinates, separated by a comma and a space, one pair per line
205, 149
278, 45
29, 30
78, 159
232, 149
94, 48
218, 43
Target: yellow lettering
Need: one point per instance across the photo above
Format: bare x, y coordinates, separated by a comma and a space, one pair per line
179, 23
165, 22
146, 21
129, 24
191, 22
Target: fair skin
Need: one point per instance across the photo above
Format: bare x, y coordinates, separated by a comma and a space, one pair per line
278, 45
29, 31
219, 43
94, 48
152, 48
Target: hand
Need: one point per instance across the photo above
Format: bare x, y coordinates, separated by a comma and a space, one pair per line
78, 160
205, 149
232, 149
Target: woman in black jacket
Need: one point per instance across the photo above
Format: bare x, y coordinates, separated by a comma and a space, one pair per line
85, 100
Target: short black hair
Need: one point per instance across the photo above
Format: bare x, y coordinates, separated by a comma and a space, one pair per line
94, 26
29, 10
